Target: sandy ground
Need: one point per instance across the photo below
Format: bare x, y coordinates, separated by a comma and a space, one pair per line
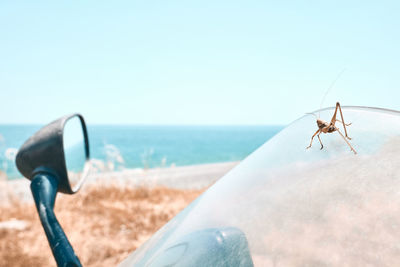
183, 177
110, 217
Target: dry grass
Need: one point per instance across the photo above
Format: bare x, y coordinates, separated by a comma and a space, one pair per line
104, 224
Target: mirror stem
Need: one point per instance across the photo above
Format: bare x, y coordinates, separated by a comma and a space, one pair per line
44, 191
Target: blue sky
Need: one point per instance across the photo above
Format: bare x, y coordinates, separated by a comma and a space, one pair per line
194, 62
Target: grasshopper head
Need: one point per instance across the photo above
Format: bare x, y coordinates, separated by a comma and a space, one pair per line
321, 124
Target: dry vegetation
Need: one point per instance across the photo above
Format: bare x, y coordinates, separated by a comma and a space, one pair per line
104, 224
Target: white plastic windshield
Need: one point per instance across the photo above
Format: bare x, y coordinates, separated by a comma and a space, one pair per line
300, 207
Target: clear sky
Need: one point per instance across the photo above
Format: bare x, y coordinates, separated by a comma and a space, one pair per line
195, 62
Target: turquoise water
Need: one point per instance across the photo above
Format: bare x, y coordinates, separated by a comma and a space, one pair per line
119, 147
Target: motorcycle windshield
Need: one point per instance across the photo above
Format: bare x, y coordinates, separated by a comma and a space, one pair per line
292, 206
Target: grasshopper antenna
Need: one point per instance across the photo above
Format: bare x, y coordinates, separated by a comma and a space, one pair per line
311, 113
329, 88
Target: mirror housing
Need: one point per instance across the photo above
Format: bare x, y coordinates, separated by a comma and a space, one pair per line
44, 152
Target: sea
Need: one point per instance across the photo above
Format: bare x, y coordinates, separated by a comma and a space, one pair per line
118, 147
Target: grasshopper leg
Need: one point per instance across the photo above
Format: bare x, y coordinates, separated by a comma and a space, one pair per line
322, 146
352, 149
344, 124
313, 138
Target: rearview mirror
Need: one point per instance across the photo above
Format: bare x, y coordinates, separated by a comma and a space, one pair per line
56, 159
60, 148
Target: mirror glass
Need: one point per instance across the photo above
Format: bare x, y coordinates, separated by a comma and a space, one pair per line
75, 152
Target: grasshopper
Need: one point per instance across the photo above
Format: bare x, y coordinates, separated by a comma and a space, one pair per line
325, 127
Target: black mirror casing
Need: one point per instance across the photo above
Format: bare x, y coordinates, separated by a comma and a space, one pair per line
44, 152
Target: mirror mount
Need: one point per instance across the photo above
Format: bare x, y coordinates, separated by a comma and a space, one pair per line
44, 187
